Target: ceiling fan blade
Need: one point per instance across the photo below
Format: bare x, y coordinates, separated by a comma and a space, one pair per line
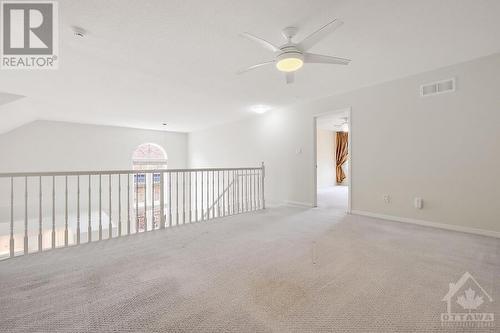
319, 34
290, 78
262, 42
256, 66
312, 58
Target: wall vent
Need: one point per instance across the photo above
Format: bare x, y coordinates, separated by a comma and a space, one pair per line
436, 88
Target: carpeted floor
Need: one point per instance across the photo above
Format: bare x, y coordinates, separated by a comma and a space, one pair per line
280, 270
333, 197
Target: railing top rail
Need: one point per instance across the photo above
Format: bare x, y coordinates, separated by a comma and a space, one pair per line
115, 172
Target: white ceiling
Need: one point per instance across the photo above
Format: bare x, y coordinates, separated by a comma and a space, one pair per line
148, 62
8, 98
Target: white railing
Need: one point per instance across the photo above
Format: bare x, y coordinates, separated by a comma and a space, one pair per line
47, 210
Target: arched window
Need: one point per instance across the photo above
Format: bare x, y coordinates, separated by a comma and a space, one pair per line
148, 156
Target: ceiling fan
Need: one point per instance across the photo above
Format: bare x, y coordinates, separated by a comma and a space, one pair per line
291, 56
344, 125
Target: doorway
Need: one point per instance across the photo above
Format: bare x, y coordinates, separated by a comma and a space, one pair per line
332, 160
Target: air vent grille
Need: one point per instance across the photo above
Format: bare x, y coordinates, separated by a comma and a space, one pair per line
436, 88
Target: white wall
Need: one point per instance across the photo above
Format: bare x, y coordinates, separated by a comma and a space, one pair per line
442, 148
59, 146
325, 147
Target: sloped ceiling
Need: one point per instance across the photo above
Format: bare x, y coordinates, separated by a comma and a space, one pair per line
8, 98
153, 61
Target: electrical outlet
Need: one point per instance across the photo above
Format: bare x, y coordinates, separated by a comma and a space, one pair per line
387, 199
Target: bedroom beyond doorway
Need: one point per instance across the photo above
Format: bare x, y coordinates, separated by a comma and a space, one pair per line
332, 160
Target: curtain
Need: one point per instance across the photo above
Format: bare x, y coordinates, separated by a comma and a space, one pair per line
341, 149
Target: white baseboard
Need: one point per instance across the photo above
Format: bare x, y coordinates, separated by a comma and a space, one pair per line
475, 231
298, 204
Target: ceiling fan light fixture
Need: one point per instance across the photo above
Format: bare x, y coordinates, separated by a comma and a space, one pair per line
290, 62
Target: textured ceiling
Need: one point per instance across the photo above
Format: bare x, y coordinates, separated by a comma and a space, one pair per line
8, 98
148, 62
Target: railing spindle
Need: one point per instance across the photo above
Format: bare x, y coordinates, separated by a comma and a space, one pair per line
254, 190
224, 196
89, 227
196, 196
145, 202
53, 212
232, 192
258, 190
162, 200
242, 185
208, 196
25, 215
40, 229
177, 198
237, 191
11, 241
100, 207
249, 190
202, 205
170, 199
183, 197
119, 205
78, 210
213, 195
190, 196
218, 192
66, 211
128, 204
153, 201
136, 177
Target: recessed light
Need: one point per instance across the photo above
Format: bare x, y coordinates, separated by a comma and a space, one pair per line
164, 124
260, 108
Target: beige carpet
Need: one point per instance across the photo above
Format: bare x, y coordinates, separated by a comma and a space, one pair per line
281, 270
333, 197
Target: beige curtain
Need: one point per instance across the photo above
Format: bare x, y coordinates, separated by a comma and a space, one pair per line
341, 151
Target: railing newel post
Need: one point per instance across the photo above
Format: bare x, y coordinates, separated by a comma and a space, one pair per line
263, 182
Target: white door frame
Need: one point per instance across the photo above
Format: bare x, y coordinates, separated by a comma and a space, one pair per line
349, 154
